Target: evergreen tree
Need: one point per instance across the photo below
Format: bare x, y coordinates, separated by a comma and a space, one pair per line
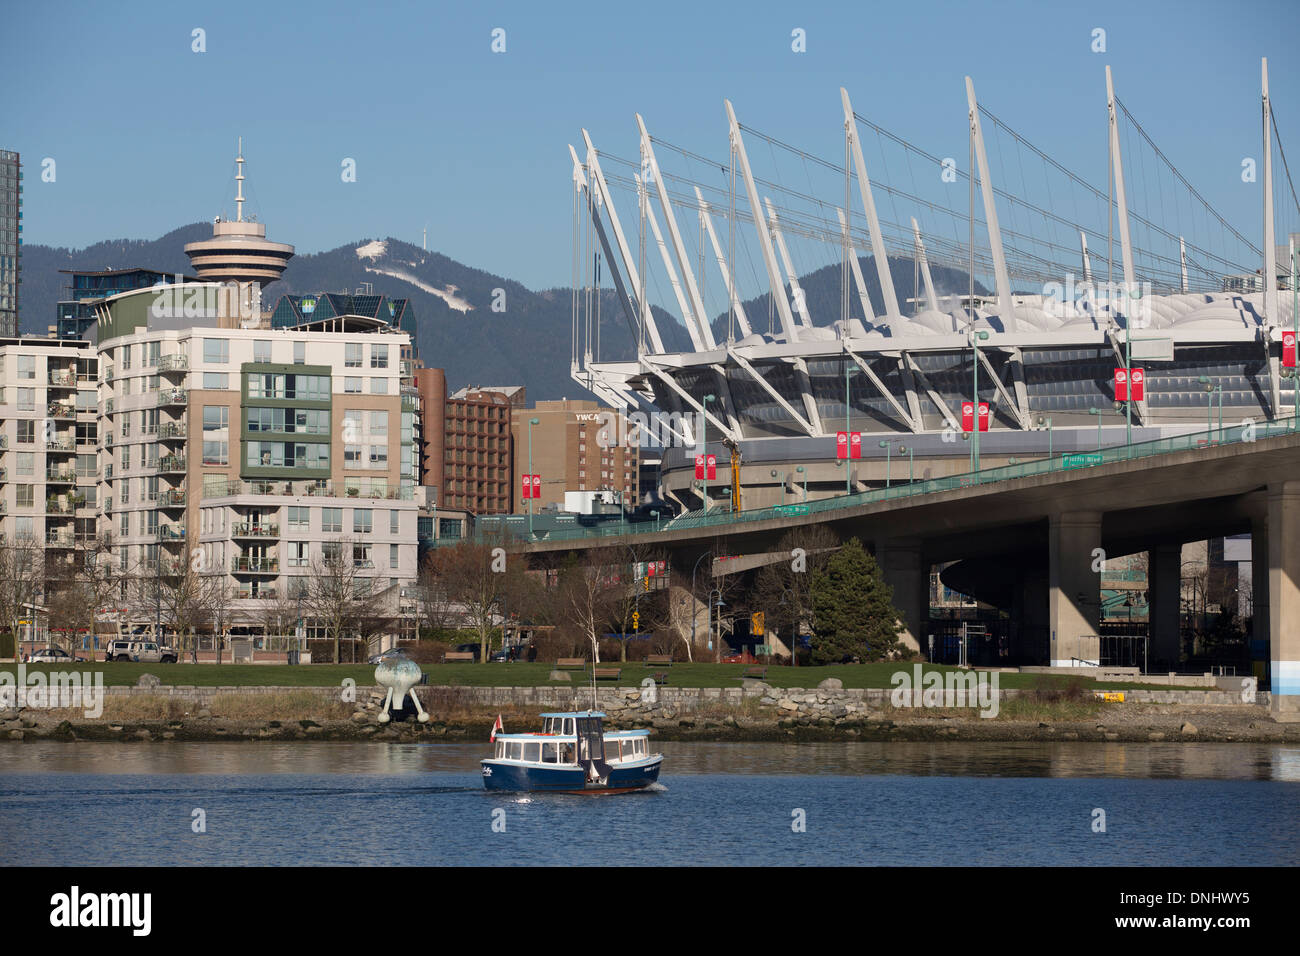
854, 609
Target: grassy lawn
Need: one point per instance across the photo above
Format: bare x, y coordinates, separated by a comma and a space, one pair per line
536, 675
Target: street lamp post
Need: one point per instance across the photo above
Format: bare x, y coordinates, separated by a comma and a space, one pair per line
847, 433
531, 423
1046, 422
911, 470
1210, 390
888, 448
801, 471
1097, 411
774, 474
976, 337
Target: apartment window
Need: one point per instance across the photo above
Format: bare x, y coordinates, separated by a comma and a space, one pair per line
299, 519
126, 358
261, 351
27, 399
125, 457
26, 495
216, 380
298, 554
330, 551
392, 521
393, 552
152, 350
362, 520
299, 353
379, 456
87, 467
352, 456
379, 423
216, 435
124, 524
23, 525
352, 355
379, 356
27, 366
215, 351
26, 463
351, 385
26, 431
331, 519
361, 559
379, 386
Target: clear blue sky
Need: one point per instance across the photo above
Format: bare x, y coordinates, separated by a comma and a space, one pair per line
472, 143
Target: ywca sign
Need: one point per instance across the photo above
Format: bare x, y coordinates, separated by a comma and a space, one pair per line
848, 444
968, 416
1288, 349
1129, 383
706, 467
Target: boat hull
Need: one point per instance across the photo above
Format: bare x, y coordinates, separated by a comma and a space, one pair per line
532, 778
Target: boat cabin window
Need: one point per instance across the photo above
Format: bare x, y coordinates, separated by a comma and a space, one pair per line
514, 749
568, 726
532, 752
550, 752
568, 753
501, 749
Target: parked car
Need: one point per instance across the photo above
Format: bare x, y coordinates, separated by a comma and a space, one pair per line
515, 652
144, 652
52, 655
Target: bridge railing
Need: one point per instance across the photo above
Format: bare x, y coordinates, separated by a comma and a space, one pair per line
1228, 435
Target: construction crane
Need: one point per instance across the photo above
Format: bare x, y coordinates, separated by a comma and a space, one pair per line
732, 447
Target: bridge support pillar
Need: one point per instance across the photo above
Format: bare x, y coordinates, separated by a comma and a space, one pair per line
904, 569
1284, 598
1164, 591
1074, 588
1259, 636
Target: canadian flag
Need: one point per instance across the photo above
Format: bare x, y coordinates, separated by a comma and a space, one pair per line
496, 727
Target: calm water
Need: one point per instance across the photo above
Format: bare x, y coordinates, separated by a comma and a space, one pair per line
864, 803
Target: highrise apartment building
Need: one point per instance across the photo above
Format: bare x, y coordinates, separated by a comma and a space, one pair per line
11, 240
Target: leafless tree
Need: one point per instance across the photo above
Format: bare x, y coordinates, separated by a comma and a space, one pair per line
479, 579
22, 579
783, 589
334, 594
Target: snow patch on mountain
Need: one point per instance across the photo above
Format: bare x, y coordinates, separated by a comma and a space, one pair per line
372, 250
447, 295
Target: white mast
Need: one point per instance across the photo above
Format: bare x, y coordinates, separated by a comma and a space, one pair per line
1126, 249
1182, 255
239, 183
1270, 248
688, 318
1003, 282
869, 207
741, 318
800, 303
931, 301
602, 191
1087, 263
764, 238
701, 320
867, 315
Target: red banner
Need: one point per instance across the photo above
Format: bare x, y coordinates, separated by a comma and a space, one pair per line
1129, 383
1121, 385
699, 467
841, 444
855, 444
712, 466
1137, 382
537, 486
526, 485
984, 416
968, 416
1288, 350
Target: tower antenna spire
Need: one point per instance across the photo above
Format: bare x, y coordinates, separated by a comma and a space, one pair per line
239, 183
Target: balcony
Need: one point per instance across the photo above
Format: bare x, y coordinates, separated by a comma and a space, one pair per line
171, 396
108, 406
174, 363
63, 505
249, 529
60, 446
174, 498
4, 441
60, 539
255, 565
108, 373
171, 464
248, 594
63, 378
171, 431
171, 532
60, 476
61, 410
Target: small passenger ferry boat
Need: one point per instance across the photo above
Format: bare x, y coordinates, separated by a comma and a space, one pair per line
572, 755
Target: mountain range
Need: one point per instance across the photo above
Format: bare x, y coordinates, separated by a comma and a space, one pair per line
527, 342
